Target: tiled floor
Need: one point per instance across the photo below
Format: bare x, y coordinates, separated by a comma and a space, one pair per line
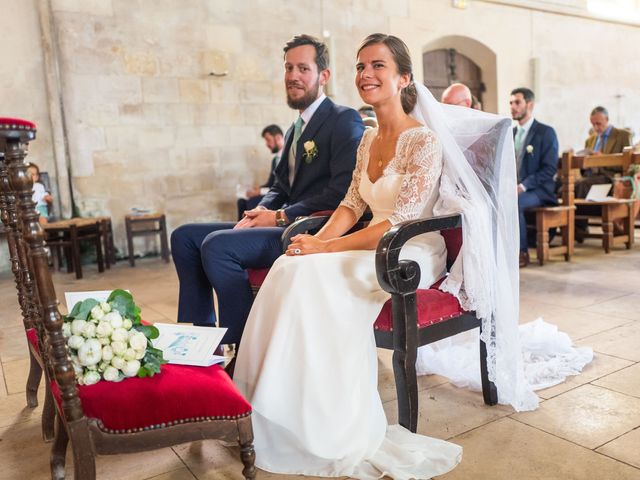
585, 428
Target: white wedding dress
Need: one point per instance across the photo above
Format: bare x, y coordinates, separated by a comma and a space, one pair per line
308, 361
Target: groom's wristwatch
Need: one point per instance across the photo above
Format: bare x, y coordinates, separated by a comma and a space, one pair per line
281, 218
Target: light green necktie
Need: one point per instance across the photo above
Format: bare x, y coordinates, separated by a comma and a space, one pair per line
519, 139
297, 131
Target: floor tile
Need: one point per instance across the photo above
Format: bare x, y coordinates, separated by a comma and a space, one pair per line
509, 450
600, 366
625, 381
446, 411
624, 448
182, 474
588, 415
15, 375
14, 410
622, 342
622, 307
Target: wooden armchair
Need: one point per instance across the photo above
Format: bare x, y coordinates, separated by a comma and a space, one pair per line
180, 404
608, 212
560, 216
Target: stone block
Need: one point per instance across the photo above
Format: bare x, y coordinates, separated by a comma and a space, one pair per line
160, 90
91, 7
227, 38
224, 90
194, 90
214, 61
206, 114
257, 92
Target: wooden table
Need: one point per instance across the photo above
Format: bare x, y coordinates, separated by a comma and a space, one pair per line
609, 212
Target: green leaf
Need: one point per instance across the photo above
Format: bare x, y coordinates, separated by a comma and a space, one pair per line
123, 303
149, 331
82, 310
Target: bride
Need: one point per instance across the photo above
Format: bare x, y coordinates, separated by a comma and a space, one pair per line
308, 362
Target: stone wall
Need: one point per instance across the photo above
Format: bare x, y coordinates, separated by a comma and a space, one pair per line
148, 126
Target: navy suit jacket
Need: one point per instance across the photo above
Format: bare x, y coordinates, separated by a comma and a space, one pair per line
540, 164
321, 183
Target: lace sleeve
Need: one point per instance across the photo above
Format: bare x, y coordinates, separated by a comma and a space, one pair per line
422, 165
352, 199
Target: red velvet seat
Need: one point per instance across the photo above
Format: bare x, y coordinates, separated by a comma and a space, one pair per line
180, 394
32, 338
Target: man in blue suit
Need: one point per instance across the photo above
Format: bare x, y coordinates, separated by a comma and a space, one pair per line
313, 175
536, 149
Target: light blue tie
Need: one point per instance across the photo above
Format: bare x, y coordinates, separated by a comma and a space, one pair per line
519, 139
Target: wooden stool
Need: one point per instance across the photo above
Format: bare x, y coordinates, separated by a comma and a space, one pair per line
68, 234
107, 241
147, 224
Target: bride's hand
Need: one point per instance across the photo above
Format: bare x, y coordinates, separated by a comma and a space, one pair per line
305, 244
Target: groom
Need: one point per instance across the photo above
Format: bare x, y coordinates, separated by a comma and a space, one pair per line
313, 174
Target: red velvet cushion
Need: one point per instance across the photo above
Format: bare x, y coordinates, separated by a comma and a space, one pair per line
257, 276
180, 394
16, 123
32, 338
453, 242
433, 306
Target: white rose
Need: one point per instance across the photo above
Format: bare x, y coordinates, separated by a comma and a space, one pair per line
127, 324
91, 377
104, 340
75, 341
111, 374
66, 329
119, 335
89, 330
107, 353
76, 326
118, 362
529, 148
104, 329
131, 368
97, 313
90, 353
103, 366
309, 145
119, 347
140, 354
106, 308
114, 318
138, 341
130, 354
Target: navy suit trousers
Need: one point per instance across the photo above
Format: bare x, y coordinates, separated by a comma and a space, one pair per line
526, 200
213, 255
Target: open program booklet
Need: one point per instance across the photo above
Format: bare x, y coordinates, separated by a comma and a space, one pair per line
180, 344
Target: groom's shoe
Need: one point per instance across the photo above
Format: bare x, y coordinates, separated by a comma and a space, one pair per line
524, 258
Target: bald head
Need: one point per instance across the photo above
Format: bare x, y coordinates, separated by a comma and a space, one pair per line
457, 94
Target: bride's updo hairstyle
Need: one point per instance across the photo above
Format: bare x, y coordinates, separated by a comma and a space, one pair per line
401, 55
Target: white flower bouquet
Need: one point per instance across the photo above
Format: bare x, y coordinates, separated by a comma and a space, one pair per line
107, 340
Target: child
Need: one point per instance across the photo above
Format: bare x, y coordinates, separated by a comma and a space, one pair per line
40, 195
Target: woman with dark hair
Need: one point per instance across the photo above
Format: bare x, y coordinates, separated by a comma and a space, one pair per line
308, 361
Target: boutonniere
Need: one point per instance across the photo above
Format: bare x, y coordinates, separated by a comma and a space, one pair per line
529, 148
310, 151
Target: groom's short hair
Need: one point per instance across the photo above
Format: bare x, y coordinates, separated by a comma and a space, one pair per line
322, 51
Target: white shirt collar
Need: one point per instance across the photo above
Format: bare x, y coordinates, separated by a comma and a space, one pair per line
527, 126
311, 109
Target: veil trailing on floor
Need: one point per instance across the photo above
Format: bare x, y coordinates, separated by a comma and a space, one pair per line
479, 181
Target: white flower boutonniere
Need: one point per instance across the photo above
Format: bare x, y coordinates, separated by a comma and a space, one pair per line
310, 151
529, 148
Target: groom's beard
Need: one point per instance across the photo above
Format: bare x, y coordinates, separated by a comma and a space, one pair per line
307, 99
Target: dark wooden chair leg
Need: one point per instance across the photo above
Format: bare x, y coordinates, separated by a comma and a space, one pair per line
164, 244
84, 461
104, 236
48, 416
247, 453
75, 250
98, 244
489, 391
132, 261
33, 381
59, 451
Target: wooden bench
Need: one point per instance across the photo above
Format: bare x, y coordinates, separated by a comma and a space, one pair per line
608, 212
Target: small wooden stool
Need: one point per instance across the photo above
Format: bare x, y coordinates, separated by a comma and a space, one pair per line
147, 224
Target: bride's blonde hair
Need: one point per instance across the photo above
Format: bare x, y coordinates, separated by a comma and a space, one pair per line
401, 56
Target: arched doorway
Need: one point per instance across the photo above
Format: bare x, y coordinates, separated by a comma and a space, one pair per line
445, 66
477, 54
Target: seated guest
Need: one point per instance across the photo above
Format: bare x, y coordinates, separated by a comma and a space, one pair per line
604, 139
274, 140
536, 149
318, 159
475, 103
41, 197
457, 94
368, 116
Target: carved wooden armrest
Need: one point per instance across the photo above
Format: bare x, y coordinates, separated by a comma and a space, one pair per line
302, 225
402, 277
